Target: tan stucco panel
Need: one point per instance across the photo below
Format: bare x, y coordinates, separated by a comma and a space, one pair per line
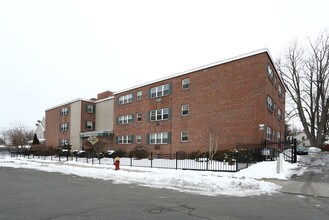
105, 115
75, 125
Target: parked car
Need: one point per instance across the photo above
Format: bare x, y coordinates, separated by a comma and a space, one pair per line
313, 150
325, 147
301, 150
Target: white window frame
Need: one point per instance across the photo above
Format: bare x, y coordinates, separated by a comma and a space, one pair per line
160, 91
63, 142
270, 72
90, 108
90, 125
64, 111
124, 139
138, 139
279, 114
125, 99
159, 138
185, 108
185, 83
139, 95
159, 114
64, 127
270, 103
139, 117
268, 133
184, 136
278, 137
125, 119
279, 90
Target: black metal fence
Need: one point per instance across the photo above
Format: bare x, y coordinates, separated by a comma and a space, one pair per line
222, 161
267, 150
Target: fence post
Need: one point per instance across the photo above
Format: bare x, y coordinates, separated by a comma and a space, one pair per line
236, 162
295, 151
176, 161
131, 160
151, 160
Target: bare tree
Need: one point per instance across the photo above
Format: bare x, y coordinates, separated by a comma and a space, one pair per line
19, 135
2, 141
305, 73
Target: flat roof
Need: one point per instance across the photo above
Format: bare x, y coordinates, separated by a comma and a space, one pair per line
80, 99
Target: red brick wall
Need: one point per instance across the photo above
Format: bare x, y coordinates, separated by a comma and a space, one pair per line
53, 121
104, 95
227, 100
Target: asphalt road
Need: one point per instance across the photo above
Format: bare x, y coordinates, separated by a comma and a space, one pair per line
29, 194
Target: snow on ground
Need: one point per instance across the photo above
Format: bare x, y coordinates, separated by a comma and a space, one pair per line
247, 182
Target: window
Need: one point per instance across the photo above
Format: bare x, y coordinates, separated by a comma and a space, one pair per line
279, 90
90, 125
278, 136
184, 136
138, 139
139, 95
160, 91
63, 142
64, 127
279, 114
124, 139
270, 72
185, 109
269, 133
185, 83
125, 99
159, 138
159, 114
90, 108
125, 119
270, 104
139, 117
64, 111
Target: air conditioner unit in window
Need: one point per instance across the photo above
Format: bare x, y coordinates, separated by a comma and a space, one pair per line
158, 99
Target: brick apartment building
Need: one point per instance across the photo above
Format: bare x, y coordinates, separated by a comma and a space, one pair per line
73, 121
239, 100
217, 106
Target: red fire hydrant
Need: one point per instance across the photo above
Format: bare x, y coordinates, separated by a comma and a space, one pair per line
117, 163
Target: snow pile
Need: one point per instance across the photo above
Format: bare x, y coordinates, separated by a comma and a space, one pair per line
267, 170
244, 183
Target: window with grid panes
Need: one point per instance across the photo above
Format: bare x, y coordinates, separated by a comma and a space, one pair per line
185, 83
185, 109
184, 136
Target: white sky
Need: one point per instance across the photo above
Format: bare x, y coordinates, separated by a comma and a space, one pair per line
55, 51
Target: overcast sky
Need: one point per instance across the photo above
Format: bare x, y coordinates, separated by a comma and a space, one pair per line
52, 52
